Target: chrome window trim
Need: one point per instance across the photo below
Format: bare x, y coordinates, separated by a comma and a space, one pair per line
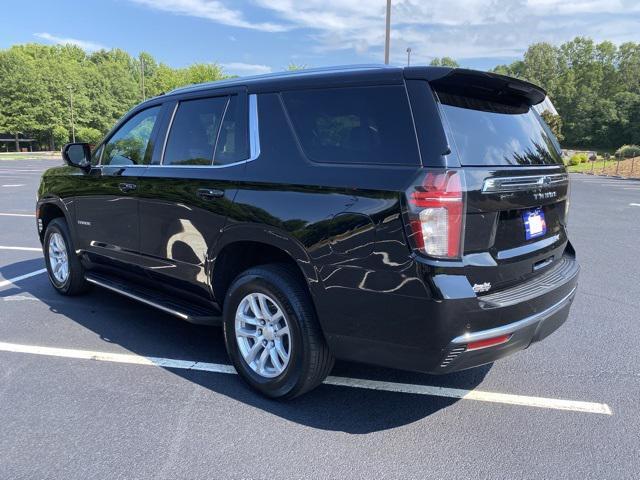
166, 134
254, 129
254, 141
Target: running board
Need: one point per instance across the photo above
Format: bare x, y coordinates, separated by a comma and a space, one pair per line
178, 308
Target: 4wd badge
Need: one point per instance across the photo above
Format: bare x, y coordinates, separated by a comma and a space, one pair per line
481, 287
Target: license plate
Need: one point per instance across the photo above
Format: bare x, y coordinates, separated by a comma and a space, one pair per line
534, 224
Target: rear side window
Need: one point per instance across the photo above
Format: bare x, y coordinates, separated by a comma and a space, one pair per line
489, 133
194, 131
362, 125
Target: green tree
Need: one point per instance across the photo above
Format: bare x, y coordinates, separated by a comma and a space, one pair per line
594, 86
89, 135
295, 66
19, 92
554, 122
59, 136
444, 62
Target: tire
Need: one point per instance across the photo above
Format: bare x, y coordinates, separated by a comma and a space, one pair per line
73, 283
309, 360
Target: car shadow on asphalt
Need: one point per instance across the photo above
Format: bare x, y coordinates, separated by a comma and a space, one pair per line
145, 331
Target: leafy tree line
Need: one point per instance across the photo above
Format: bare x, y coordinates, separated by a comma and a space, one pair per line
594, 86
38, 83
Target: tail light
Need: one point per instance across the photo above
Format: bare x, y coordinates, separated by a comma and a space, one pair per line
436, 214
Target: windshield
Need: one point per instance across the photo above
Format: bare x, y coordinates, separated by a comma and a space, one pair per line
486, 132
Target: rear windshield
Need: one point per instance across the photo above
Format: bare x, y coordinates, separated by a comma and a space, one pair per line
486, 132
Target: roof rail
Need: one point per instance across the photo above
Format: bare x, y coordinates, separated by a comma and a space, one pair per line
276, 75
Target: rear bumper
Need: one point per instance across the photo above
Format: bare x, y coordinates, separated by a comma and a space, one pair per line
436, 334
521, 334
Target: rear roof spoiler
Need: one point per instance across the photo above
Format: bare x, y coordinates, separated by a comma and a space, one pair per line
476, 83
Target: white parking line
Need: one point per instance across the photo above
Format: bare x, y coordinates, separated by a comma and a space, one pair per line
634, 204
26, 249
17, 215
14, 185
540, 402
11, 281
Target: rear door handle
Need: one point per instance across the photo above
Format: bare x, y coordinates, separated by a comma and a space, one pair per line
127, 187
210, 193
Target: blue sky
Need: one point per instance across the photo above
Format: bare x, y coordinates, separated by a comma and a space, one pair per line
258, 36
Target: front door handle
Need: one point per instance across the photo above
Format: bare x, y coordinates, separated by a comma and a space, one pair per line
210, 193
127, 187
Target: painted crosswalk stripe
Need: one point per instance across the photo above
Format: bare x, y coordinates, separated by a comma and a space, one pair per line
482, 396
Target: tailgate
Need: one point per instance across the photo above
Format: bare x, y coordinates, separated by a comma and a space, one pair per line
516, 183
498, 203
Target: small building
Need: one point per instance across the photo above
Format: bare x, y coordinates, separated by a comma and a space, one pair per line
16, 143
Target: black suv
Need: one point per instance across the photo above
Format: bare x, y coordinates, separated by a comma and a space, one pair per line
406, 217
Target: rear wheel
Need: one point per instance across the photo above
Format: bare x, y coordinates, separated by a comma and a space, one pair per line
272, 333
66, 273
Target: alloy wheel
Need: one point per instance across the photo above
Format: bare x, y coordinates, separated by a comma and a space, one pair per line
263, 335
58, 258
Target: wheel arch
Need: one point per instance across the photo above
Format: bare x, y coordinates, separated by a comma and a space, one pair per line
48, 209
243, 247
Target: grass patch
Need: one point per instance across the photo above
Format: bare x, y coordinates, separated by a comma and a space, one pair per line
625, 168
30, 155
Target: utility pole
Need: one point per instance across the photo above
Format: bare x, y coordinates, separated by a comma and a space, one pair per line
144, 97
408, 56
73, 127
387, 38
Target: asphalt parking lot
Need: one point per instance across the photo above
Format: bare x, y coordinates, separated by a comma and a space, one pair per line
99, 386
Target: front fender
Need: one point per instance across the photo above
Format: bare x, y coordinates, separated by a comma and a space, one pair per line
66, 206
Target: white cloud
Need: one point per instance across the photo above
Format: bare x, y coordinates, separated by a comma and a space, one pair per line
211, 10
563, 7
455, 28
84, 44
240, 68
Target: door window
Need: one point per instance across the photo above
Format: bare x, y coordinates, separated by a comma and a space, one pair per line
130, 144
194, 131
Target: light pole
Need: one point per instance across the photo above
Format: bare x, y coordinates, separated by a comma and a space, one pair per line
387, 37
408, 56
73, 127
144, 97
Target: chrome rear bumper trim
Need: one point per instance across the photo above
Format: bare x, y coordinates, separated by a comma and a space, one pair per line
515, 326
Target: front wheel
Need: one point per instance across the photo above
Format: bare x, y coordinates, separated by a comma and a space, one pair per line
66, 273
272, 333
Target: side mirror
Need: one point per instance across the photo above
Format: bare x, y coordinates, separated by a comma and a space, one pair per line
77, 155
